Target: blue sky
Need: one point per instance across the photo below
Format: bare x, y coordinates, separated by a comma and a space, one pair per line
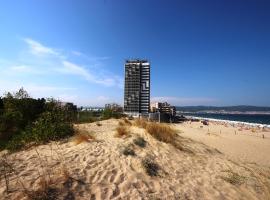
201, 52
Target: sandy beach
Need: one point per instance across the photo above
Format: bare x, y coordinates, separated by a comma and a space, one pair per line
211, 165
239, 143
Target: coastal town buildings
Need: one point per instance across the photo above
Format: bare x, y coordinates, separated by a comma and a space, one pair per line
114, 107
163, 108
162, 112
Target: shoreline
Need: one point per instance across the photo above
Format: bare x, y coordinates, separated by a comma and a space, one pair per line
230, 122
227, 113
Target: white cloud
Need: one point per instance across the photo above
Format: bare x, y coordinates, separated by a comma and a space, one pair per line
75, 69
19, 68
67, 98
90, 58
68, 67
72, 68
31, 68
35, 90
103, 58
44, 88
25, 69
106, 81
77, 53
103, 98
185, 101
37, 48
9, 86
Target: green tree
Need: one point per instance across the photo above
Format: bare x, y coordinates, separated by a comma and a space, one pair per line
24, 120
19, 110
1, 106
21, 94
50, 126
109, 113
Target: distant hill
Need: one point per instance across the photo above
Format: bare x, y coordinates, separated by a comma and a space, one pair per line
241, 108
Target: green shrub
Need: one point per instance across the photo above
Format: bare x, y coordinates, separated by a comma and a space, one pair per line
128, 151
50, 126
150, 166
10, 124
16, 143
3, 144
139, 141
24, 120
87, 116
18, 111
108, 113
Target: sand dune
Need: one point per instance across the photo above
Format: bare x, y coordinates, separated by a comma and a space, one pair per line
99, 170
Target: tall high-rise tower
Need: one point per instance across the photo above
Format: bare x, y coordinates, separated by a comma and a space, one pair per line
137, 87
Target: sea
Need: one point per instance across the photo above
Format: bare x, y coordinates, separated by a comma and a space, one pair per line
256, 119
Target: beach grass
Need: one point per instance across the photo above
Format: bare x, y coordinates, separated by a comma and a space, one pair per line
122, 131
161, 132
81, 138
141, 123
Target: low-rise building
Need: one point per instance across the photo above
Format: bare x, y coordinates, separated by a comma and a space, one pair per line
162, 112
114, 107
163, 108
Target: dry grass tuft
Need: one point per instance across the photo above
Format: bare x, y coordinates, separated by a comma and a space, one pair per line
122, 131
127, 122
161, 132
121, 123
234, 178
124, 122
165, 133
65, 173
141, 123
46, 193
98, 124
80, 138
130, 118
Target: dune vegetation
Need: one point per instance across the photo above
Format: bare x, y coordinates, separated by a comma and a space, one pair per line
25, 121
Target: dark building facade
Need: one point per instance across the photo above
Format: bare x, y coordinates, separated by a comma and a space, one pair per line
137, 87
162, 112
